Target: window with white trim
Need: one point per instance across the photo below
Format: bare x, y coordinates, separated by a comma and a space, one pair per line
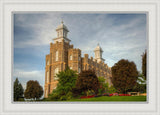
56, 55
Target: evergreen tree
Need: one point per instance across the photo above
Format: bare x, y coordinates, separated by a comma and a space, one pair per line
18, 90
144, 64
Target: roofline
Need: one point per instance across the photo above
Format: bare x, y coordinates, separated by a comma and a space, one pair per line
62, 28
61, 37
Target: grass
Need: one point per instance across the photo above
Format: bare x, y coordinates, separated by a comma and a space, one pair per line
114, 98
102, 99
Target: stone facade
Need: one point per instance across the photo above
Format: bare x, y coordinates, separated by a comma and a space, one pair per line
63, 55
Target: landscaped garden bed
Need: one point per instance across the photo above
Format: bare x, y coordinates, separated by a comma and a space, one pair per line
105, 94
113, 99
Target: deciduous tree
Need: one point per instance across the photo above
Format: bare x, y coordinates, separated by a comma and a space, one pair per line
66, 82
124, 75
33, 90
87, 80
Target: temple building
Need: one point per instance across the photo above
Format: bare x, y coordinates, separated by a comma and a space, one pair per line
63, 55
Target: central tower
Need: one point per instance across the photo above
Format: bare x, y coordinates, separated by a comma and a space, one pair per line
62, 32
63, 55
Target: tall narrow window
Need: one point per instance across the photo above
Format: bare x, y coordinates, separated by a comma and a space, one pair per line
55, 73
64, 34
79, 70
47, 62
85, 67
47, 77
70, 57
56, 55
60, 33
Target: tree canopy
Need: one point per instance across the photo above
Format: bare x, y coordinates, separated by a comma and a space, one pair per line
66, 81
87, 80
18, 90
124, 75
33, 90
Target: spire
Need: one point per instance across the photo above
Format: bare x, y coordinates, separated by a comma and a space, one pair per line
62, 32
62, 20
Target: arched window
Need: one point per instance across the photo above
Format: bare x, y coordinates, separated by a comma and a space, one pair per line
70, 57
56, 55
55, 73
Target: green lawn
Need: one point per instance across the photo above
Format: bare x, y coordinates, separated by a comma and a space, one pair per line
114, 98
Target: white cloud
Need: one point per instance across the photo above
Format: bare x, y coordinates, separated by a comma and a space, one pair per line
25, 76
28, 74
118, 40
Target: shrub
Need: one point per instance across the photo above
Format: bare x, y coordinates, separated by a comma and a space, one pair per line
112, 89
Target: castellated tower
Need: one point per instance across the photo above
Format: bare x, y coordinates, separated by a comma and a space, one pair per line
63, 55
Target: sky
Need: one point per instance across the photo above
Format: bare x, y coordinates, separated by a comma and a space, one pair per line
121, 36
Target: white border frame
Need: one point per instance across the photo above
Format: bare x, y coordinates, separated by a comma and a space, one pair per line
151, 6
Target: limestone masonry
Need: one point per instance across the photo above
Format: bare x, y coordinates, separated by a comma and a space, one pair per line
63, 55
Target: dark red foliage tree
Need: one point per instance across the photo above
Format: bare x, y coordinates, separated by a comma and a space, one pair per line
124, 75
87, 80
